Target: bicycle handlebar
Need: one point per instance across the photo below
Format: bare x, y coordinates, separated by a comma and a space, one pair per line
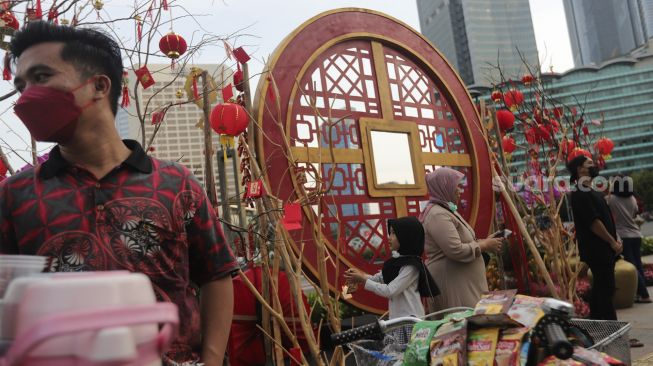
557, 340
369, 330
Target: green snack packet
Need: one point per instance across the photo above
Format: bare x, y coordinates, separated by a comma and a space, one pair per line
417, 352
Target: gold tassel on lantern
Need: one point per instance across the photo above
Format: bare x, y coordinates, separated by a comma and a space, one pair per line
227, 142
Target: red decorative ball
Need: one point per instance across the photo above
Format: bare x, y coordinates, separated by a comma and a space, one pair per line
508, 144
604, 146
496, 96
238, 80
513, 97
527, 79
9, 20
229, 119
506, 119
173, 45
578, 152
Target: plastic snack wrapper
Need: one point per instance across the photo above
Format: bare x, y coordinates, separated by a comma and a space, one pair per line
481, 346
449, 345
509, 347
417, 352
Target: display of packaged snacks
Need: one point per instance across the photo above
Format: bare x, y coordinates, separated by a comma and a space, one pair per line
481, 346
526, 310
509, 346
449, 345
417, 352
495, 302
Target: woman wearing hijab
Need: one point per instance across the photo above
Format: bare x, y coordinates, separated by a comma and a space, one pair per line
404, 279
453, 253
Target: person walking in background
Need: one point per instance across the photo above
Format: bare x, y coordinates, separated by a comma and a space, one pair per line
623, 204
454, 255
598, 244
404, 278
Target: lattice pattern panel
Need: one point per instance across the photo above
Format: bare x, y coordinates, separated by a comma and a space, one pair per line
339, 83
438, 139
414, 95
316, 131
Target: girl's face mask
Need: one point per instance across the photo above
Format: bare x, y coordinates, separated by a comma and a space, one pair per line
50, 114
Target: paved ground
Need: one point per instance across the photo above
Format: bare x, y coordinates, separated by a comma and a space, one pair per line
641, 318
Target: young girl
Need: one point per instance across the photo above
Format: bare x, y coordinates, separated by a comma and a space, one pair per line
403, 277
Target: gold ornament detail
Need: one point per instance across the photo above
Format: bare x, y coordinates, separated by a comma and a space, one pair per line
98, 5
179, 94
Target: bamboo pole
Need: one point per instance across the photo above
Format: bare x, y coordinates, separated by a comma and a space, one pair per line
35, 158
209, 179
276, 305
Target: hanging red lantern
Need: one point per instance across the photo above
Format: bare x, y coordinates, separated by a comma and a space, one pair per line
229, 119
173, 45
506, 119
567, 145
578, 152
527, 79
604, 146
513, 98
9, 20
496, 96
238, 80
508, 144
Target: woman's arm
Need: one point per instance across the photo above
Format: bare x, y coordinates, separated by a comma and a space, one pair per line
407, 275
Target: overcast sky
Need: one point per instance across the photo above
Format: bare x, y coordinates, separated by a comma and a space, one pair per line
264, 23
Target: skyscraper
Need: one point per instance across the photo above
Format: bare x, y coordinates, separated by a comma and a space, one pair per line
476, 35
179, 136
600, 30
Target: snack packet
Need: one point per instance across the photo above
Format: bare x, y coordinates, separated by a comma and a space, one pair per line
554, 361
526, 310
509, 346
495, 302
448, 347
417, 352
481, 346
594, 357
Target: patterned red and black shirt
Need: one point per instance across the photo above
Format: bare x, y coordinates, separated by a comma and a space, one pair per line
146, 215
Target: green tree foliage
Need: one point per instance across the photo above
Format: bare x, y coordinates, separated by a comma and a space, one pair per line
643, 182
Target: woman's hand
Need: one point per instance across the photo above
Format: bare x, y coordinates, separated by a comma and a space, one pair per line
490, 244
355, 276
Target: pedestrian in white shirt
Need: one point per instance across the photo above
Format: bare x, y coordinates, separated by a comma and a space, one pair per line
404, 278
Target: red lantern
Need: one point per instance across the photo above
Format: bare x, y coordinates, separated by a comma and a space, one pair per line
567, 145
9, 20
173, 45
508, 144
527, 79
604, 146
513, 98
506, 119
578, 152
229, 119
496, 96
238, 80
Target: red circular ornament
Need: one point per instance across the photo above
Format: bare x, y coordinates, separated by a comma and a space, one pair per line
496, 96
506, 119
578, 152
513, 97
173, 45
604, 146
527, 79
508, 144
229, 119
238, 80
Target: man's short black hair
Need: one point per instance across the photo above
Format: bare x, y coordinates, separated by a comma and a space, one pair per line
573, 166
90, 50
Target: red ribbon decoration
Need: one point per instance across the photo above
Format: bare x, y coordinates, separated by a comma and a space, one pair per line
39, 9
125, 90
164, 4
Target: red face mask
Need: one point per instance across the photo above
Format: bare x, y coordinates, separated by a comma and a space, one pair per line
49, 114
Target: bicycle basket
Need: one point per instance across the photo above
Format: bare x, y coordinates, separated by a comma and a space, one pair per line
373, 353
610, 336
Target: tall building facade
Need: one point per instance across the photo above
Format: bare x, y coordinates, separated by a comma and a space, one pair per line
179, 137
477, 35
600, 30
619, 92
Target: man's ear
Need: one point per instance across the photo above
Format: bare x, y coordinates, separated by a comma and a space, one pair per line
102, 86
